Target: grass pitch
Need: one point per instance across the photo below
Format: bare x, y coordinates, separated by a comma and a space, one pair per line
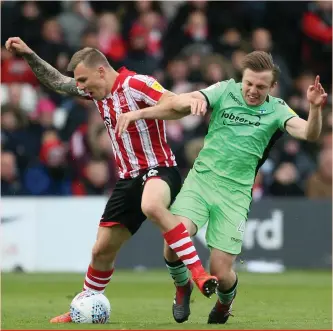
142, 300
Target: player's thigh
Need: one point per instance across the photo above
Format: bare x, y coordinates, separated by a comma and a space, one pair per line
226, 224
161, 185
191, 204
156, 196
124, 207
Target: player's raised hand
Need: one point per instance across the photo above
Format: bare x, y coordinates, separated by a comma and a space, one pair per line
316, 95
18, 46
124, 121
198, 107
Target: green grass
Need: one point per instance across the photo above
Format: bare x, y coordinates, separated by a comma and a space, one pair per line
142, 300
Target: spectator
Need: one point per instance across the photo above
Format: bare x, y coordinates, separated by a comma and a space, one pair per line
89, 38
95, 180
135, 9
215, 68
15, 70
258, 189
236, 60
298, 100
28, 22
204, 43
49, 176
317, 41
138, 58
111, 43
53, 48
286, 181
13, 137
154, 23
75, 21
319, 184
177, 76
10, 183
228, 42
262, 41
195, 31
78, 110
90, 141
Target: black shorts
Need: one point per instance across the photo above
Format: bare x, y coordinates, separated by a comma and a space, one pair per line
124, 205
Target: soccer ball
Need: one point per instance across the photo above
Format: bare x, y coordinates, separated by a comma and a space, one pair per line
90, 307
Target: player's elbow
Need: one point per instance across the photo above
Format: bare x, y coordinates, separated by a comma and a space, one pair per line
312, 137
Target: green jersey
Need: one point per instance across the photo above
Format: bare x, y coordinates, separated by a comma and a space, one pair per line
239, 136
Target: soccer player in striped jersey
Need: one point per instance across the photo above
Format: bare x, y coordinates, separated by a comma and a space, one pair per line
149, 179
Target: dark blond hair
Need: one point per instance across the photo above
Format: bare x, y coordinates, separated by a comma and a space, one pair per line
90, 58
259, 61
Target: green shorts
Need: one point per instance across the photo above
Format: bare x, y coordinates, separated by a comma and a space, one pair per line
204, 198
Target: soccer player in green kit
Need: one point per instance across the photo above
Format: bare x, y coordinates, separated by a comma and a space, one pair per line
245, 123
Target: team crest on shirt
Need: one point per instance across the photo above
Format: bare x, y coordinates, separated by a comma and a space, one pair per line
291, 111
157, 86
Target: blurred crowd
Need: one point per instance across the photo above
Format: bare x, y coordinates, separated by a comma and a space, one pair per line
55, 145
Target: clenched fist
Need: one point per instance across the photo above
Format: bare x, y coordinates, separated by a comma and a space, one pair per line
18, 46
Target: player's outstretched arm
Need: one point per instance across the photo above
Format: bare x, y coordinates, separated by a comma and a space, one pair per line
172, 107
194, 103
46, 74
169, 107
161, 111
310, 129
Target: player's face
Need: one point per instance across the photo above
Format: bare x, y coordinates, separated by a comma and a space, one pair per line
256, 86
91, 80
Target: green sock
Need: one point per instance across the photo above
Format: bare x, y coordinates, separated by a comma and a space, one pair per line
227, 296
178, 271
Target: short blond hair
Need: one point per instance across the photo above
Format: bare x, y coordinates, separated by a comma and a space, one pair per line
259, 61
89, 56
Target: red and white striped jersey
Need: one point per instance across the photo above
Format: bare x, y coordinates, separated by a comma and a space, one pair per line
144, 144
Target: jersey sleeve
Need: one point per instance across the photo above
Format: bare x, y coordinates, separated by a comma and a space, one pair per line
214, 92
285, 113
146, 89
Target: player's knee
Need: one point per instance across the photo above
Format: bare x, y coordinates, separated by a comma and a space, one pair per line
222, 273
221, 264
153, 210
105, 254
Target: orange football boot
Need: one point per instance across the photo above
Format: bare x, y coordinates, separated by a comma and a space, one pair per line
206, 283
64, 318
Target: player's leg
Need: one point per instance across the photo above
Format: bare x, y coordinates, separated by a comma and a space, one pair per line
181, 277
108, 243
224, 236
221, 266
159, 189
99, 273
192, 208
122, 217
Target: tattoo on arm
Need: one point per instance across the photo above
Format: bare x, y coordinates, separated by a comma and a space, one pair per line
50, 76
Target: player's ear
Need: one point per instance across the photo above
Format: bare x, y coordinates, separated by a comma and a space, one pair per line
101, 71
273, 85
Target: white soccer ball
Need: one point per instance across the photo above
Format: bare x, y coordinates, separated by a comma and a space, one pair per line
90, 307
